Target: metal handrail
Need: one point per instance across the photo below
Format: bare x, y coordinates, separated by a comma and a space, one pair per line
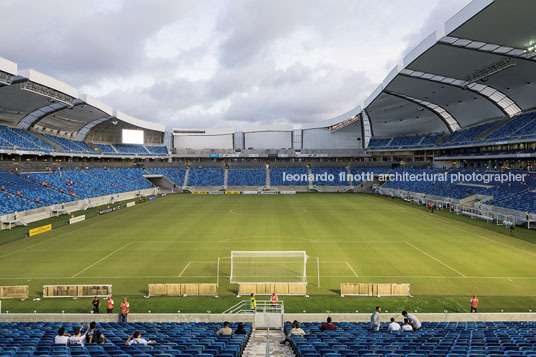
263, 306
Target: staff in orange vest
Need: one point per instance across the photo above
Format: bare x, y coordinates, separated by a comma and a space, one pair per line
125, 309
273, 299
109, 305
474, 303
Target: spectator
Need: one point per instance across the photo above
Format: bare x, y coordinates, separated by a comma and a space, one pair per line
96, 305
406, 326
78, 338
136, 339
94, 335
240, 330
109, 305
125, 309
393, 326
413, 320
295, 330
61, 338
328, 326
474, 300
225, 330
375, 319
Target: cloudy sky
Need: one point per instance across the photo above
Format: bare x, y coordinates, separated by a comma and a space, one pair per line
221, 63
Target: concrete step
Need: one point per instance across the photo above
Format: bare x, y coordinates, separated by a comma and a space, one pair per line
261, 338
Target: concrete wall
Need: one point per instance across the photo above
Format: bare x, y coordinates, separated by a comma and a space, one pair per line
357, 317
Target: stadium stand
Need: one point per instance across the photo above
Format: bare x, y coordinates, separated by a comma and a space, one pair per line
70, 145
468, 134
176, 175
131, 149
521, 126
173, 339
205, 177
319, 173
276, 176
15, 138
246, 177
434, 339
159, 150
33, 190
405, 142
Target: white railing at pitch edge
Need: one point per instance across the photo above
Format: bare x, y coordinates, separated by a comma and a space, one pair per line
263, 306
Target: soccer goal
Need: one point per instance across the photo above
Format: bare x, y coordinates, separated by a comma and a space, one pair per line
268, 267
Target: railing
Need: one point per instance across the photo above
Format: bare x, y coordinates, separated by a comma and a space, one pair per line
263, 306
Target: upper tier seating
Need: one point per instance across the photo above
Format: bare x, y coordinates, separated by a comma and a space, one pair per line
469, 134
107, 149
205, 177
15, 138
173, 339
246, 177
159, 150
353, 339
522, 126
131, 149
70, 145
277, 179
405, 142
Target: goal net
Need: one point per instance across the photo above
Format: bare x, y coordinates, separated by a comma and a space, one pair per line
268, 267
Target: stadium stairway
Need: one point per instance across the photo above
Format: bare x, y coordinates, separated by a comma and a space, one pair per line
257, 344
492, 129
311, 184
47, 140
267, 178
225, 177
185, 184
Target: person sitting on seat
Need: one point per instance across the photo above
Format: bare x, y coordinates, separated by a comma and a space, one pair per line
94, 335
136, 339
406, 326
413, 320
328, 326
225, 330
61, 338
393, 326
240, 330
78, 338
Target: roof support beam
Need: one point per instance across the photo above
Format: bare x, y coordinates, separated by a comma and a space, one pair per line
449, 120
488, 47
501, 100
82, 133
38, 114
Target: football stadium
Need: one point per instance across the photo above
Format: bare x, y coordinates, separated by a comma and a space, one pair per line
306, 239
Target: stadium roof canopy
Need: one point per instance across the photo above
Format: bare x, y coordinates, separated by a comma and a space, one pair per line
479, 65
29, 98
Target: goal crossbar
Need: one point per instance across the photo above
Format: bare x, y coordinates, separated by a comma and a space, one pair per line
268, 267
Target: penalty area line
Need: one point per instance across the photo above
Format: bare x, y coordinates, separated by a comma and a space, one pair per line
183, 270
352, 269
100, 260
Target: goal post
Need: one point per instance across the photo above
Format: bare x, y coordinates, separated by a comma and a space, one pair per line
268, 267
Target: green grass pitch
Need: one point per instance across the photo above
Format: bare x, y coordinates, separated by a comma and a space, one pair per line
357, 238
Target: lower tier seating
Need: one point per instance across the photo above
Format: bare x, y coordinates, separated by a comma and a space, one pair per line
434, 339
172, 339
